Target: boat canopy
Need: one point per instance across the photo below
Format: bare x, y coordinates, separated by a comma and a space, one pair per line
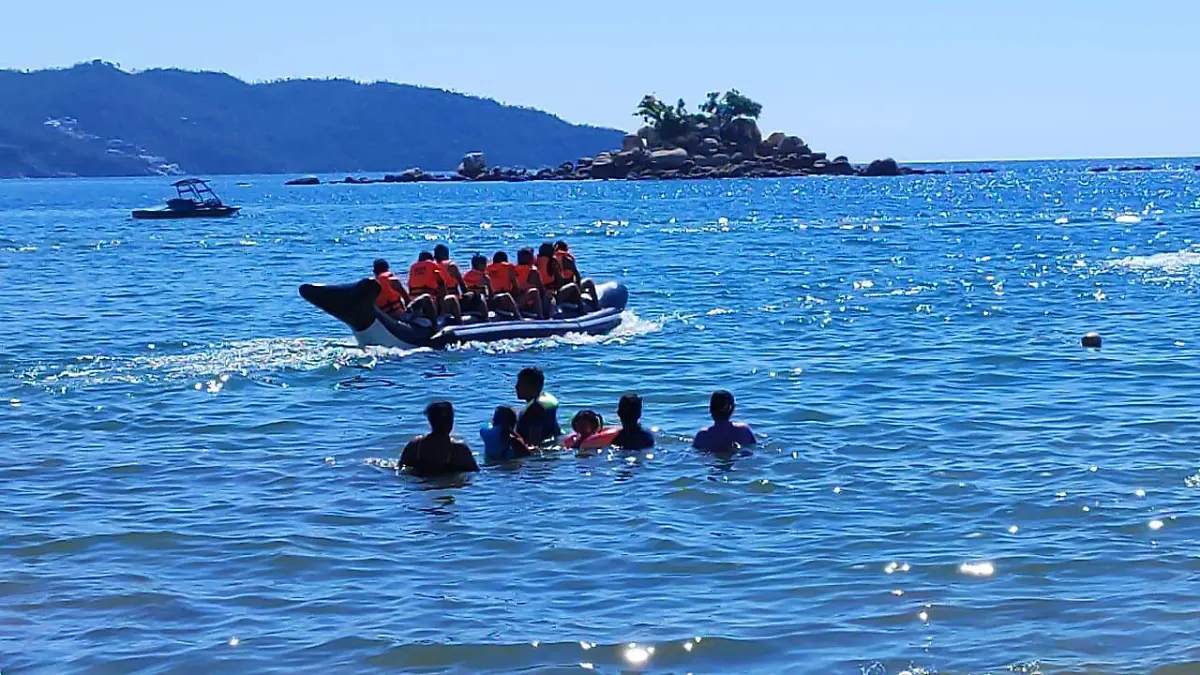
196, 190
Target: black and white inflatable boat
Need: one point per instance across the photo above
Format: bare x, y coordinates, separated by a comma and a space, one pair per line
354, 305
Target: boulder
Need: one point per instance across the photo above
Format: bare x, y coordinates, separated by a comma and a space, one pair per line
737, 158
668, 159
565, 169
606, 167
709, 147
742, 132
765, 149
473, 165
304, 180
584, 161
411, 175
650, 135
632, 142
820, 166
706, 130
841, 166
631, 158
793, 145
882, 167
776, 139
689, 141
719, 159
544, 174
796, 161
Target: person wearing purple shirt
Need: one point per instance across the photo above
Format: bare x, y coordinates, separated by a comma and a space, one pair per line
724, 434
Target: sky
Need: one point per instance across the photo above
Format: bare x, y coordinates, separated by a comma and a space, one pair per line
915, 80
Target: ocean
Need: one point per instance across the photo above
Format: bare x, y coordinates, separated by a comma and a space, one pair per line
194, 460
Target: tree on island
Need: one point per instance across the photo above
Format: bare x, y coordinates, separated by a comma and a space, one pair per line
717, 111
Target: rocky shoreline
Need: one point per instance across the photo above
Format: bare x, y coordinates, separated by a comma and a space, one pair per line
720, 140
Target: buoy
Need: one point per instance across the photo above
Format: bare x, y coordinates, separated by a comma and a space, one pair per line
1091, 340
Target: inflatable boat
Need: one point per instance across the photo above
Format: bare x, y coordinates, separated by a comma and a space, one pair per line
354, 305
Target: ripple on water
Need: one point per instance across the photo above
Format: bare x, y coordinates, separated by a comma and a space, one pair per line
942, 473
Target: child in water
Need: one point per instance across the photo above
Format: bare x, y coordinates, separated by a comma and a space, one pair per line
588, 432
500, 439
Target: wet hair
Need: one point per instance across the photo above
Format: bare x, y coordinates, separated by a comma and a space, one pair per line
721, 405
561, 245
532, 376
441, 252
525, 256
504, 417
629, 409
425, 255
546, 250
584, 416
441, 416
478, 262
380, 266
500, 257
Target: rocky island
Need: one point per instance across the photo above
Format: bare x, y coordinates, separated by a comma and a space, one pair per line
721, 139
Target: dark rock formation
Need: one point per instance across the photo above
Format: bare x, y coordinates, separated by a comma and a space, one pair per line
668, 159
304, 180
473, 165
882, 167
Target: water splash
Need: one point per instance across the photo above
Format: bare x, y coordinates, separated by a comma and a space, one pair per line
631, 326
210, 367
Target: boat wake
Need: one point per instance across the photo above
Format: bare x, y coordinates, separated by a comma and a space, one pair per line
267, 361
631, 326
263, 361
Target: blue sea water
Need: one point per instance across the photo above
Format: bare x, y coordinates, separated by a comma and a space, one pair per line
945, 481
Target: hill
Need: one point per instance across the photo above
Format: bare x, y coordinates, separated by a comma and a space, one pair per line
95, 119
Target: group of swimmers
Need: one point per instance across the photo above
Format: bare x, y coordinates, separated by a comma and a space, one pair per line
512, 435
438, 288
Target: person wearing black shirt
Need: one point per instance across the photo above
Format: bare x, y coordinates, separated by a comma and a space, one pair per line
632, 435
437, 453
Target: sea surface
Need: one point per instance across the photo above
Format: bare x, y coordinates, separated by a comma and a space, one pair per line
194, 462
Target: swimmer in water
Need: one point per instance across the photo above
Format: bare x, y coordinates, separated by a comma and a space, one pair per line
632, 435
724, 434
589, 432
437, 453
500, 439
538, 423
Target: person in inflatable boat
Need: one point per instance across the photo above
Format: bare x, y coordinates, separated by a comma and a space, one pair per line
428, 283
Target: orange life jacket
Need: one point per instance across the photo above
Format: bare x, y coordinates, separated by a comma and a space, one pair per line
474, 281
549, 280
423, 277
524, 274
566, 266
389, 300
500, 277
447, 277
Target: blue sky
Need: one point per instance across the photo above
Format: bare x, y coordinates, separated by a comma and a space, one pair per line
917, 80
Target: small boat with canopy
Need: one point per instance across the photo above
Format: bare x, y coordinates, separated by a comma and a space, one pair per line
195, 200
